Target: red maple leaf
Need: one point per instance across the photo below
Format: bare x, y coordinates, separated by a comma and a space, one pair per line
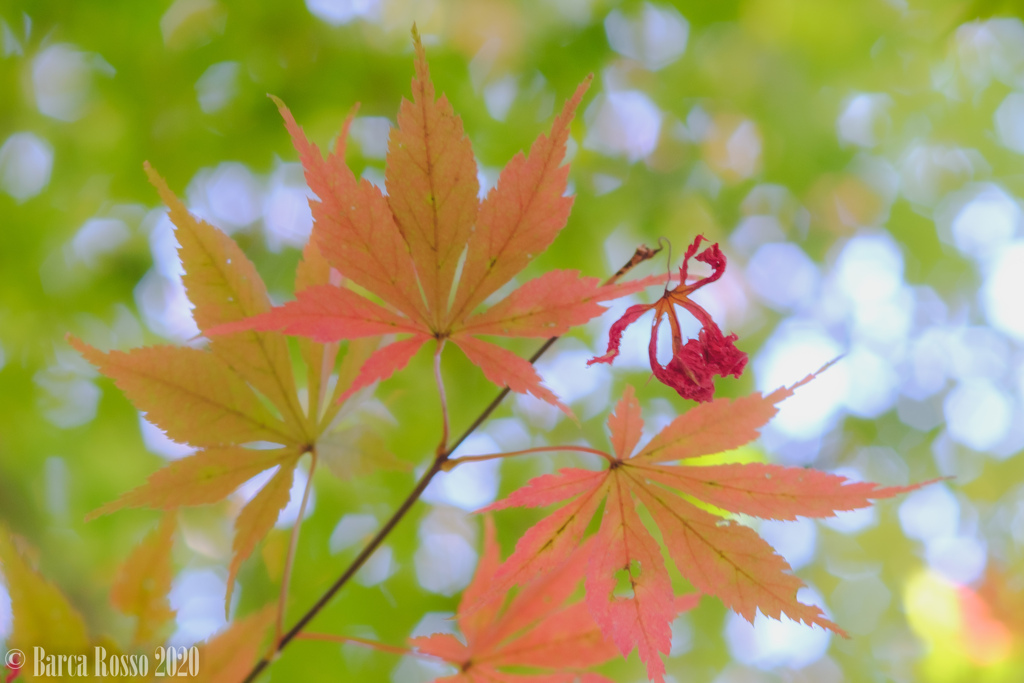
717, 555
537, 630
404, 247
695, 363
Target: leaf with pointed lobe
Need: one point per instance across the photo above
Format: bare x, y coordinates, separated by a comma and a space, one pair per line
772, 491
385, 362
229, 656
537, 629
325, 313
214, 399
191, 394
521, 216
626, 424
506, 369
143, 581
720, 425
256, 519
42, 615
204, 477
405, 248
718, 556
547, 306
354, 227
729, 560
432, 186
223, 286
642, 618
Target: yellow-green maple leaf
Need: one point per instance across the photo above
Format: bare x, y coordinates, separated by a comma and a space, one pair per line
210, 398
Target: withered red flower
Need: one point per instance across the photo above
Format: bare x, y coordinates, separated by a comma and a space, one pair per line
695, 363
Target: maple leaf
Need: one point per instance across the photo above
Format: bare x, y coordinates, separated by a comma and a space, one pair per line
228, 656
211, 398
717, 555
405, 247
42, 616
537, 630
695, 363
143, 581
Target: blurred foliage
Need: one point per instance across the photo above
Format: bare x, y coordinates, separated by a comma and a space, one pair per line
673, 142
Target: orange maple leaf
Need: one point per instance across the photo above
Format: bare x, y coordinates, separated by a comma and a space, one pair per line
537, 630
209, 398
717, 555
405, 247
143, 581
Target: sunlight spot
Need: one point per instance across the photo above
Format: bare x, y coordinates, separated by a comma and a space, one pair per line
338, 12
67, 395
6, 615
959, 558
1009, 119
165, 307
26, 161
56, 480
191, 22
97, 238
372, 133
286, 213
874, 383
61, 80
732, 147
771, 644
864, 119
656, 38
794, 350
352, 529
1000, 295
217, 86
929, 172
197, 596
870, 268
795, 540
929, 513
566, 373
978, 414
623, 123
782, 275
446, 558
499, 96
231, 194
471, 486
985, 223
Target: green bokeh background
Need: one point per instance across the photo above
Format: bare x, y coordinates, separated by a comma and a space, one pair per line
788, 66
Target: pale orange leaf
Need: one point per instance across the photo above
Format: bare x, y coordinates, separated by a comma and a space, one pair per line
143, 581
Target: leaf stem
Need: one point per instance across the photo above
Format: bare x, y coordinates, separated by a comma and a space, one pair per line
642, 254
293, 545
452, 464
443, 446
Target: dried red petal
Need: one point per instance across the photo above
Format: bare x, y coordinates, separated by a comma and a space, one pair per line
615, 333
695, 364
